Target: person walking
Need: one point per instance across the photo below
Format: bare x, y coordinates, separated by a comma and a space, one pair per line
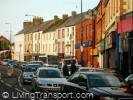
73, 67
96, 63
65, 70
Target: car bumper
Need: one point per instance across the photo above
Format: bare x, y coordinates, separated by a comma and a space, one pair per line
27, 79
48, 89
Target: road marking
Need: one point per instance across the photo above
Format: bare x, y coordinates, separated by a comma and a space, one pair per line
18, 90
20, 84
2, 81
26, 90
8, 85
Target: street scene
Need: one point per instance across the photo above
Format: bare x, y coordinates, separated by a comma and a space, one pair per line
63, 50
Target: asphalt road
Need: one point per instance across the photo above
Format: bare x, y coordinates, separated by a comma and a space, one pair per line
12, 88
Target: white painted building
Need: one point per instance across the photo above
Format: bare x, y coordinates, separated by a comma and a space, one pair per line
19, 47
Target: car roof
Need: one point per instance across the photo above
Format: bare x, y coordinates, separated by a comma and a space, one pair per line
36, 61
48, 68
87, 73
32, 64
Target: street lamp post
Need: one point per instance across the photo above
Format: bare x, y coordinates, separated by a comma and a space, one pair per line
81, 38
10, 39
10, 31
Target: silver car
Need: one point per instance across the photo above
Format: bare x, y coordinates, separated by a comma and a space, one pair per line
29, 71
47, 79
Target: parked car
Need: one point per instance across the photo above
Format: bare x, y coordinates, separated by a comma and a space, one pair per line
5, 61
47, 79
23, 65
89, 69
17, 64
29, 71
129, 80
37, 62
101, 85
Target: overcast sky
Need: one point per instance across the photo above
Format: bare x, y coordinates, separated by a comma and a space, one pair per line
13, 11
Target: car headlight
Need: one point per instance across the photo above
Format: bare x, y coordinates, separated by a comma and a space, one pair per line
106, 98
42, 84
26, 75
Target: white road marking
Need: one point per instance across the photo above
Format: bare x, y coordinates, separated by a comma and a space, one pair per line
8, 85
20, 84
26, 90
18, 90
2, 81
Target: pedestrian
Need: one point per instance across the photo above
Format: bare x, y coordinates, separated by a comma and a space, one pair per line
65, 70
73, 67
89, 63
96, 63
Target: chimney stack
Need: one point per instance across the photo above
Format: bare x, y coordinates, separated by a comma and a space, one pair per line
37, 21
56, 18
26, 24
73, 13
64, 16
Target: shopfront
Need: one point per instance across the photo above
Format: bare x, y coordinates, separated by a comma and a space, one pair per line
125, 31
110, 50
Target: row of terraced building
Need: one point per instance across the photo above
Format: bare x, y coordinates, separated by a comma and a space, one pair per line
107, 35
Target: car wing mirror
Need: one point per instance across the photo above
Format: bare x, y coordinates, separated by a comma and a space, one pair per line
130, 82
84, 85
34, 76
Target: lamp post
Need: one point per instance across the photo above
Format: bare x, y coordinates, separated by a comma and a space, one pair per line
81, 40
10, 39
10, 31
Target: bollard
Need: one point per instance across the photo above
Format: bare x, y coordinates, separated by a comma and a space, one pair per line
10, 71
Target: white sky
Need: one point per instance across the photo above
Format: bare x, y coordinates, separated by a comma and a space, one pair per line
13, 11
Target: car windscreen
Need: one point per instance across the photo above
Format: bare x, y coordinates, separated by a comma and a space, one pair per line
37, 63
106, 80
50, 73
5, 60
31, 68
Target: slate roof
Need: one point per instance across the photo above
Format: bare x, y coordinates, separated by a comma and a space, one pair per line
41, 27
54, 26
24, 30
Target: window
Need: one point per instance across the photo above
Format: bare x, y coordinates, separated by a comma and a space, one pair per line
58, 34
58, 47
25, 37
73, 31
63, 33
38, 36
82, 78
31, 37
63, 49
87, 33
91, 31
67, 32
67, 47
